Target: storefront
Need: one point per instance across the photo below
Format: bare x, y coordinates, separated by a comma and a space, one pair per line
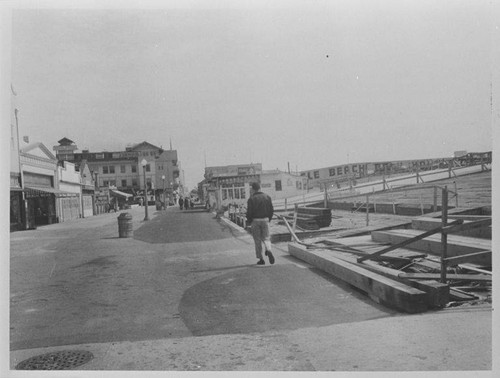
16, 213
39, 177
41, 206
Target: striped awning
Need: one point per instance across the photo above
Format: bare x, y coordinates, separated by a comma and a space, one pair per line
35, 191
117, 193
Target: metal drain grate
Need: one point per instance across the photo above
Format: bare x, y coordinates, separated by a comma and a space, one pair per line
64, 360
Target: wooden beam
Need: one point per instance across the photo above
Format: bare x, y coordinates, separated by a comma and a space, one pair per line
456, 277
388, 291
437, 292
408, 241
465, 258
295, 238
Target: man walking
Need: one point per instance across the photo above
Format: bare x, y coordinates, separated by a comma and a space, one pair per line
259, 213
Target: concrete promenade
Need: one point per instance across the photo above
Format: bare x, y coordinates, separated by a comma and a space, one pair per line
458, 340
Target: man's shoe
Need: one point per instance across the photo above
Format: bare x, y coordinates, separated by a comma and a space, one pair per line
261, 262
271, 257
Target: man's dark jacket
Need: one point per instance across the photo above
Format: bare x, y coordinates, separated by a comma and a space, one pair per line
259, 205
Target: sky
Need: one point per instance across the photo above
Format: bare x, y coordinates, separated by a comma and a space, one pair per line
309, 84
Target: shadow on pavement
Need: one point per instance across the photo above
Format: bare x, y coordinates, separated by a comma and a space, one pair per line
271, 298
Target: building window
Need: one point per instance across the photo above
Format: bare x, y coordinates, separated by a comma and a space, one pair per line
105, 183
111, 169
148, 168
104, 169
316, 174
332, 171
112, 182
134, 183
122, 169
99, 156
232, 191
134, 169
277, 185
298, 184
309, 175
148, 181
124, 183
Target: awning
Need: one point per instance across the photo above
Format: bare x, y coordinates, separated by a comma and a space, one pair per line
37, 190
117, 193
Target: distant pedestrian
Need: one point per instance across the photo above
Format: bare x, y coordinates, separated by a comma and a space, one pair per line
259, 213
187, 203
191, 202
181, 202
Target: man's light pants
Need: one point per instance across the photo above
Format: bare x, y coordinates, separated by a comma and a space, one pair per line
260, 233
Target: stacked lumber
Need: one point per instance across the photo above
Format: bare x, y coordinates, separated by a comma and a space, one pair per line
322, 215
312, 218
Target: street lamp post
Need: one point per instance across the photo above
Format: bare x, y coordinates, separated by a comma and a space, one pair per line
164, 199
144, 163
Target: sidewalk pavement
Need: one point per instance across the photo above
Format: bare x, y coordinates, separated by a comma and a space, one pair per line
455, 339
458, 339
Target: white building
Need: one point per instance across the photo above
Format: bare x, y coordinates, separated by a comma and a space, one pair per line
69, 206
230, 185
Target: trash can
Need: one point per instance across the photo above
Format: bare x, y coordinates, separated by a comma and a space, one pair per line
125, 229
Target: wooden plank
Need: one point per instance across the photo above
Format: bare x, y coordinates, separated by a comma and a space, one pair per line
468, 226
394, 236
408, 241
456, 295
389, 291
425, 223
466, 217
475, 269
456, 277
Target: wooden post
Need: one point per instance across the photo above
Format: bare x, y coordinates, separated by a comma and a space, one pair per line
393, 206
325, 202
285, 205
367, 209
421, 204
374, 205
456, 193
444, 236
434, 205
295, 213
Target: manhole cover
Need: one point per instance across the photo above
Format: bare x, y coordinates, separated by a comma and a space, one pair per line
64, 360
